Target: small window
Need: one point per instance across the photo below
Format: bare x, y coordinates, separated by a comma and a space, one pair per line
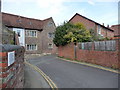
50, 45
51, 35
31, 47
50, 23
31, 33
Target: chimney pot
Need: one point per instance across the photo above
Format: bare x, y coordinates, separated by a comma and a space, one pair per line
103, 24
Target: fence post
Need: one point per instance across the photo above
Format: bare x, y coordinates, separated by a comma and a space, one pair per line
75, 51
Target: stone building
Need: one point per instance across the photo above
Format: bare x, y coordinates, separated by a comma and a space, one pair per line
34, 34
90, 24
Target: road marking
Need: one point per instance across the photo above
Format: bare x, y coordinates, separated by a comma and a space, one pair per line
95, 66
50, 82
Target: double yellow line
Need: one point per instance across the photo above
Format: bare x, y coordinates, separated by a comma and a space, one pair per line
49, 81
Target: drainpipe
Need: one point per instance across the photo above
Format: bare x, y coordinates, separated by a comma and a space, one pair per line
14, 39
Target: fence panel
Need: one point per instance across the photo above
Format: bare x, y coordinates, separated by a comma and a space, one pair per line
111, 45
90, 45
85, 46
96, 45
102, 45
99, 45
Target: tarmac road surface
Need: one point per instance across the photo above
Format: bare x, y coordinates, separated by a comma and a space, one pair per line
70, 75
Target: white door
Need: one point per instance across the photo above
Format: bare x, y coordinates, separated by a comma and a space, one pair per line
21, 35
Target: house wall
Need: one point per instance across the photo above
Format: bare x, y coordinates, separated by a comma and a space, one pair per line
104, 58
15, 21
42, 40
34, 40
45, 39
116, 29
91, 25
88, 24
107, 33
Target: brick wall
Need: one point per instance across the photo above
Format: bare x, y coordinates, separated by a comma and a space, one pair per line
66, 51
104, 58
11, 76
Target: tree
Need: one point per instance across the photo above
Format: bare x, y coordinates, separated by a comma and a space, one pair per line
60, 32
68, 32
78, 34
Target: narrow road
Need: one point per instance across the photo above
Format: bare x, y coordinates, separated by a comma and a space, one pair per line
70, 75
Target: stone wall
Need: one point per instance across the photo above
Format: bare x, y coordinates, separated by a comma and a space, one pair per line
7, 36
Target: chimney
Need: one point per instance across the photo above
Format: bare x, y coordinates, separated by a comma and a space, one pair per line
103, 24
108, 26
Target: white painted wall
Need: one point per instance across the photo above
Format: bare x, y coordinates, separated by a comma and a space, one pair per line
22, 35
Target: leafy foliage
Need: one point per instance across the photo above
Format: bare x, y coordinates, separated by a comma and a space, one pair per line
95, 37
78, 34
67, 33
60, 32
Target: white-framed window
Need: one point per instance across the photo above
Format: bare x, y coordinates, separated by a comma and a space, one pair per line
99, 29
21, 35
31, 47
50, 35
50, 45
18, 33
31, 33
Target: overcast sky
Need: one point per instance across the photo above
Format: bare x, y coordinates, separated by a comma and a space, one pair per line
101, 11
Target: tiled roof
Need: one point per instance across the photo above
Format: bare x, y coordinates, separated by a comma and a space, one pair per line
17, 21
91, 21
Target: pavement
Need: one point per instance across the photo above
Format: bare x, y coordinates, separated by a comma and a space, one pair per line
72, 75
33, 79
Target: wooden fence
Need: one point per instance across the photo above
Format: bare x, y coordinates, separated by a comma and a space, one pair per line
99, 45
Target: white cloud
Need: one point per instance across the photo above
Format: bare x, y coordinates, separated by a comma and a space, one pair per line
91, 2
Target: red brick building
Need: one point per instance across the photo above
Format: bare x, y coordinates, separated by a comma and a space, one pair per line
34, 34
90, 24
116, 29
